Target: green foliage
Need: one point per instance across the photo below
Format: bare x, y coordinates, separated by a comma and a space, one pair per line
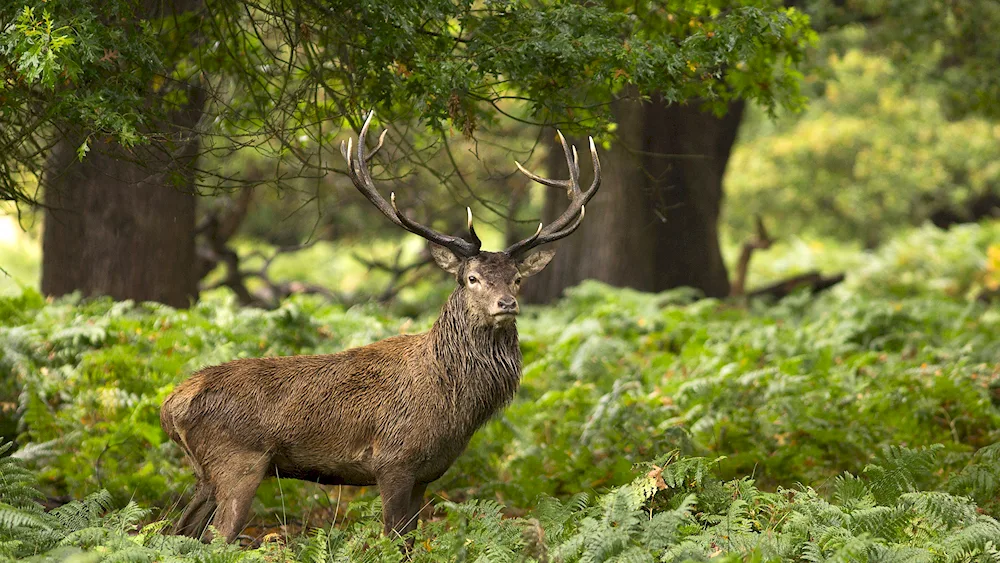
880, 399
653, 518
62, 61
872, 154
285, 78
945, 39
959, 264
94, 375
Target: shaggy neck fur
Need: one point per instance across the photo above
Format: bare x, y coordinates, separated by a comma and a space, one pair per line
482, 364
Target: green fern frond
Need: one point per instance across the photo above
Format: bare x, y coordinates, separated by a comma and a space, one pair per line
812, 552
13, 517
688, 472
663, 529
223, 557
553, 516
317, 548
78, 515
174, 545
634, 554
621, 505
900, 470
17, 483
977, 539
988, 454
879, 521
841, 546
879, 553
851, 493
946, 509
691, 549
132, 554
87, 537
980, 479
574, 545
127, 519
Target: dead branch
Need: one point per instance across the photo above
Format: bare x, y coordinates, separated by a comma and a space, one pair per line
397, 271
272, 292
761, 241
217, 228
815, 281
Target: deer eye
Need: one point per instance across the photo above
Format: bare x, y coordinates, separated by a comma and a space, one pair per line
517, 281
473, 279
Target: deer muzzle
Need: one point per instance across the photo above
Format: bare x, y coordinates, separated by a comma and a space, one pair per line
506, 307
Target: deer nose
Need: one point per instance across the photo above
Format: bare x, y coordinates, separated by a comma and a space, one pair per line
507, 304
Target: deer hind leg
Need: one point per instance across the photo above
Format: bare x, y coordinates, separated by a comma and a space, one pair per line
235, 483
198, 513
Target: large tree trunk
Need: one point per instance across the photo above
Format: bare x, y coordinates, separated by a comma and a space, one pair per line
119, 228
653, 224
121, 222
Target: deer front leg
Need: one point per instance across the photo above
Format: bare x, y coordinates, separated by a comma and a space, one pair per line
416, 503
396, 490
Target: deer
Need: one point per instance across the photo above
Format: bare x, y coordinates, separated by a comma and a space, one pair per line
396, 413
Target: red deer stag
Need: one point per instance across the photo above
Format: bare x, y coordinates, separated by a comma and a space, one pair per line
396, 413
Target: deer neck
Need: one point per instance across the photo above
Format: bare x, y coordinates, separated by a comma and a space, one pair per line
481, 365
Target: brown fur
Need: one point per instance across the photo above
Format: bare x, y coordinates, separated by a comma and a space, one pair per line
396, 413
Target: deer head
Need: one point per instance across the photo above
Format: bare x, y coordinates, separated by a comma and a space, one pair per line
488, 281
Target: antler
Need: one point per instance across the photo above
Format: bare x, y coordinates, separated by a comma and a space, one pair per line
357, 168
568, 222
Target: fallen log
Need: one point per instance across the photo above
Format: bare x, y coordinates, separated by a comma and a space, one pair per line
814, 281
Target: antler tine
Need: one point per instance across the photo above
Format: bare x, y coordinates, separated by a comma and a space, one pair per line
571, 163
570, 219
597, 168
345, 149
472, 230
526, 242
543, 181
357, 168
378, 147
576, 167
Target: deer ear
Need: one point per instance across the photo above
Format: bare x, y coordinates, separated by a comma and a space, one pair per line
446, 259
535, 262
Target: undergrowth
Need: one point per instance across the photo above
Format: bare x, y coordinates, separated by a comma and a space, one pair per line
676, 510
859, 425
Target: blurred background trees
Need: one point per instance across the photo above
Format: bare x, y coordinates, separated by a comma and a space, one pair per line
174, 147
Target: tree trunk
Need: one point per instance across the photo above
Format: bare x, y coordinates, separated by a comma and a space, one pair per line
119, 228
122, 222
653, 224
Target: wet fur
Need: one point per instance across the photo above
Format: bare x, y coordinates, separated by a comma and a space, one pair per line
396, 413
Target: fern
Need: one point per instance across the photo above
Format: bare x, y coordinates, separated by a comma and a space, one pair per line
946, 510
851, 493
78, 515
980, 479
901, 470
132, 554
979, 539
17, 484
316, 549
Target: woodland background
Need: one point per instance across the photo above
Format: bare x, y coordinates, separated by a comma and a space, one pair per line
175, 197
